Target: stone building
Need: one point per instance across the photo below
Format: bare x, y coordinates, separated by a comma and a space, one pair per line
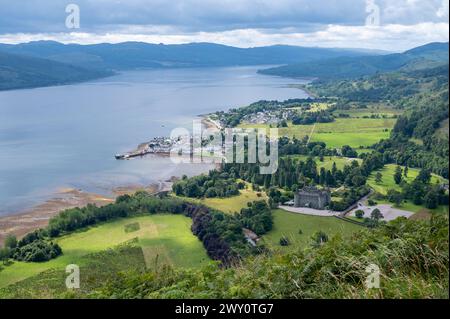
312, 197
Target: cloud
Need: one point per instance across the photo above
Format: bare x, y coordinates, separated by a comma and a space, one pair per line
332, 23
392, 37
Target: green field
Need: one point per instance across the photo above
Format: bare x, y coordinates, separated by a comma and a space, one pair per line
96, 269
355, 132
167, 236
328, 161
233, 204
360, 113
287, 224
387, 181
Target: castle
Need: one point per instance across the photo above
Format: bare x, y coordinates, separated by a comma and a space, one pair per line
312, 197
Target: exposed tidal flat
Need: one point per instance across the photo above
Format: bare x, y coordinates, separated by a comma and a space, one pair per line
66, 136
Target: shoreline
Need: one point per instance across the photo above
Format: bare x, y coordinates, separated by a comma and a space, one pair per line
38, 216
22, 222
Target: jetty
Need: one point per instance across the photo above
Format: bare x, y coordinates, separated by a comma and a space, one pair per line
158, 145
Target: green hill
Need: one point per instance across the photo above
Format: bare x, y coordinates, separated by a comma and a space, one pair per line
131, 55
19, 72
412, 258
430, 55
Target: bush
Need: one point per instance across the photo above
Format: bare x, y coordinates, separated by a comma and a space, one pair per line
11, 242
37, 251
284, 241
319, 238
376, 214
359, 213
372, 202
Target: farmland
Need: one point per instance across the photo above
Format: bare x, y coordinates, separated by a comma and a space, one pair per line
354, 132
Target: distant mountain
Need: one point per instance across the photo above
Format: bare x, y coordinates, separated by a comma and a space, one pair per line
430, 55
133, 55
18, 72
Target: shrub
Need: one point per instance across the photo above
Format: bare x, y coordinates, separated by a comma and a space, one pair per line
359, 213
284, 241
37, 251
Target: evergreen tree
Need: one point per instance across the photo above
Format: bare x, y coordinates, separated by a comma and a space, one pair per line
398, 175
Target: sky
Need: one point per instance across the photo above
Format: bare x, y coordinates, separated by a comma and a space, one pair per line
393, 25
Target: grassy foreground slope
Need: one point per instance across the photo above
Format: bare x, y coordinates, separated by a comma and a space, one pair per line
412, 257
166, 236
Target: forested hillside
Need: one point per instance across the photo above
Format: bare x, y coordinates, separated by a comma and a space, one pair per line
422, 95
430, 55
19, 72
131, 55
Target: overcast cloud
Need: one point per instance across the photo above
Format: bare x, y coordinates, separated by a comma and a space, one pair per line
244, 23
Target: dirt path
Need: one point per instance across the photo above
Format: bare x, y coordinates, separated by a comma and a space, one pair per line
311, 133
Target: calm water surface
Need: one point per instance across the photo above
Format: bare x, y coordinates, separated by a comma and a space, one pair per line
66, 136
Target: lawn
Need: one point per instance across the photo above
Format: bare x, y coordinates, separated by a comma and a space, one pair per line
328, 161
167, 236
287, 224
233, 204
360, 113
387, 181
411, 207
355, 132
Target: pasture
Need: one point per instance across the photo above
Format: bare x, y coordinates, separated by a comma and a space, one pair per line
354, 132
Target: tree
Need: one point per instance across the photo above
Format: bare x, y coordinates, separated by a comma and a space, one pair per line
359, 214
424, 176
395, 197
405, 171
4, 254
371, 202
347, 151
11, 242
398, 175
376, 214
378, 178
431, 199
